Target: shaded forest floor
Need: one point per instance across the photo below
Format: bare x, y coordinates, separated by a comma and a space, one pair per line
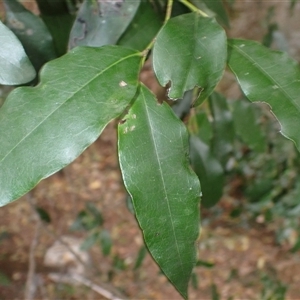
242, 254
245, 259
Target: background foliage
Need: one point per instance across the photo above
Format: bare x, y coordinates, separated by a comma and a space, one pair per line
45, 127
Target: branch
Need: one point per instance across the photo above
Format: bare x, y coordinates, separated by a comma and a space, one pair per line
30, 286
80, 279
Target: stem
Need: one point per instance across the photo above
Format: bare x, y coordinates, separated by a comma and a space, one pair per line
147, 49
192, 122
167, 17
192, 7
31, 284
169, 11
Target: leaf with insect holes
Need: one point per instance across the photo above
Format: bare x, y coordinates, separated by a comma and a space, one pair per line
153, 154
102, 22
271, 77
190, 50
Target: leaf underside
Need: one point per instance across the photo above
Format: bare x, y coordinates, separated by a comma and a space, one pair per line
217, 6
244, 117
271, 77
31, 31
153, 154
15, 67
222, 142
142, 29
101, 23
209, 171
43, 129
57, 17
190, 50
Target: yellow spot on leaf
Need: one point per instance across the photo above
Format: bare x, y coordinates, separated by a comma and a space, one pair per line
122, 83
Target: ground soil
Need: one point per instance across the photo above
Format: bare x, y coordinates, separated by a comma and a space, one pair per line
241, 253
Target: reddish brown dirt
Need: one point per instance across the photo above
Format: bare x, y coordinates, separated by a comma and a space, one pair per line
95, 177
241, 255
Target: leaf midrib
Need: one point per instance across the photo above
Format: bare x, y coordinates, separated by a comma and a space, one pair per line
162, 177
260, 68
67, 99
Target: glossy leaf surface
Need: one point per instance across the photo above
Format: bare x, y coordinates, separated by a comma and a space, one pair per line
223, 128
153, 154
43, 129
203, 127
15, 67
190, 51
53, 7
209, 171
60, 28
218, 8
271, 77
142, 29
31, 31
102, 22
57, 17
182, 107
246, 125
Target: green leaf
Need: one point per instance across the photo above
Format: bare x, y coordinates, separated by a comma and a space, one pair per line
129, 204
105, 242
60, 28
217, 7
201, 126
102, 22
292, 5
214, 292
182, 107
83, 221
4, 280
140, 258
90, 241
94, 211
43, 214
119, 263
246, 125
209, 171
31, 31
153, 152
57, 17
203, 263
190, 51
195, 281
259, 188
269, 76
177, 8
53, 7
15, 67
5, 90
88, 219
43, 129
223, 128
142, 29
4, 235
